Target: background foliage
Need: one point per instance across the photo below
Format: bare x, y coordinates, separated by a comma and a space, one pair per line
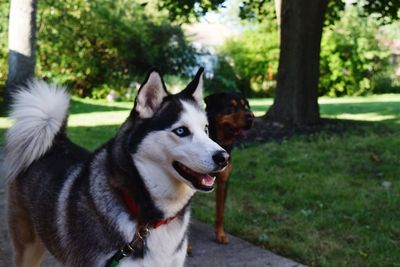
94, 47
251, 55
4, 10
104, 44
354, 59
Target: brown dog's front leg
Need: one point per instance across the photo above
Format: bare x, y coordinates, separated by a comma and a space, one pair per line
221, 193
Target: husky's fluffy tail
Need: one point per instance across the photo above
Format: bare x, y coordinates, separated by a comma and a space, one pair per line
39, 111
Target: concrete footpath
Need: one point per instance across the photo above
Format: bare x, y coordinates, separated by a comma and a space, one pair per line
239, 253
206, 252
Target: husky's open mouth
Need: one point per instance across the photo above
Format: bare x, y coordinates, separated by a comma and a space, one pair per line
200, 181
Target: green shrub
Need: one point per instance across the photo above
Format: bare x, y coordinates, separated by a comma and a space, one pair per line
96, 46
224, 78
251, 57
4, 10
383, 83
352, 60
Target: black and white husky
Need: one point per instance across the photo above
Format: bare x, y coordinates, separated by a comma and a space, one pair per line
127, 203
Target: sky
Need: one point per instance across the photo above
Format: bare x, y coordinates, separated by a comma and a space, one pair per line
216, 26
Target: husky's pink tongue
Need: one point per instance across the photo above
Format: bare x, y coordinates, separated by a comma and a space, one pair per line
207, 180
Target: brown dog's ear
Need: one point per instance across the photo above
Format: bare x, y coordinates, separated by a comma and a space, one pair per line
209, 100
215, 99
150, 95
212, 102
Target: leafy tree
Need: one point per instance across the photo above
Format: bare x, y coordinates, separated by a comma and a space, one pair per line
187, 10
4, 11
295, 101
21, 42
351, 56
101, 44
253, 55
353, 61
387, 11
224, 78
87, 44
301, 24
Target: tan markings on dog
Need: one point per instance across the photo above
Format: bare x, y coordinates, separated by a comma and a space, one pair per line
33, 254
222, 137
221, 192
233, 103
28, 249
242, 102
235, 120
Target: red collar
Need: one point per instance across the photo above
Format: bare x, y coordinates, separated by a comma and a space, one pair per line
134, 209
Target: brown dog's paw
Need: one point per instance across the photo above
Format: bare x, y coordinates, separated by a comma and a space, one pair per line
222, 238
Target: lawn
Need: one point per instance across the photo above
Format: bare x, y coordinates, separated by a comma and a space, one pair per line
323, 200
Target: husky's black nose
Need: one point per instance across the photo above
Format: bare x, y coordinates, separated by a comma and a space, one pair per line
221, 158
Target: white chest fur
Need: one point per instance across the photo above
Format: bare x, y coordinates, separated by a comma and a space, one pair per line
166, 244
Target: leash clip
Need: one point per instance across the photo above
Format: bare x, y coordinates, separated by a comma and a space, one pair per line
143, 232
135, 246
139, 241
127, 250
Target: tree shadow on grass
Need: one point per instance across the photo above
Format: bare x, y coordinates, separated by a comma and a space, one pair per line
265, 131
378, 110
381, 117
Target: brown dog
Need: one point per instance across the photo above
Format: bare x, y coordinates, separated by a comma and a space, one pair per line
230, 118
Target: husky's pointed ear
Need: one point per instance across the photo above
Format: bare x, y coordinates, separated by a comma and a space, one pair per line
195, 87
150, 95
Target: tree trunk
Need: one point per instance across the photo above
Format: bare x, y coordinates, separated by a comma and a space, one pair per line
296, 99
21, 44
278, 5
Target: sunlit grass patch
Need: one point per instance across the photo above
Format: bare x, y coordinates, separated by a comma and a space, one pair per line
371, 116
335, 107
90, 123
5, 122
98, 118
259, 106
360, 99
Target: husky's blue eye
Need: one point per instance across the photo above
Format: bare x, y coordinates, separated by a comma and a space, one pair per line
181, 131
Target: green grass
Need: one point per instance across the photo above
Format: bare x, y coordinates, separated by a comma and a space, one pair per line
91, 122
323, 200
